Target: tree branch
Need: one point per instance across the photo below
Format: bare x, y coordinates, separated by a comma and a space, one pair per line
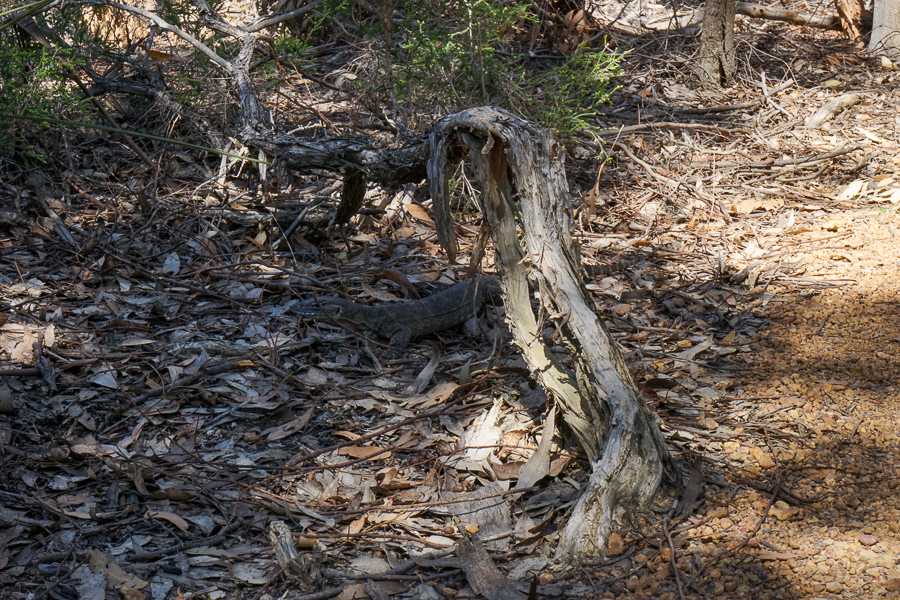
253, 27
165, 25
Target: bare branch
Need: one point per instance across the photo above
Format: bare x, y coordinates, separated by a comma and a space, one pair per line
163, 24
253, 27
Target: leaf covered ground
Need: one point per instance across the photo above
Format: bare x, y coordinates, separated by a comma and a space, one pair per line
163, 407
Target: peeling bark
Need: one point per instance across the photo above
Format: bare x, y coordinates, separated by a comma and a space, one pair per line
524, 190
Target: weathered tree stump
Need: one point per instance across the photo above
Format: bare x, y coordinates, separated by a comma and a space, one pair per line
524, 190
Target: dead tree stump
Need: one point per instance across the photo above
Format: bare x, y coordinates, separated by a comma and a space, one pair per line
524, 190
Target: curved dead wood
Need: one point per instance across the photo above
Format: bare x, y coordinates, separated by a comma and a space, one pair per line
756, 11
832, 108
389, 168
524, 190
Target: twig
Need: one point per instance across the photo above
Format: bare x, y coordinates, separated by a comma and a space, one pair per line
663, 125
214, 369
675, 571
156, 554
165, 25
761, 520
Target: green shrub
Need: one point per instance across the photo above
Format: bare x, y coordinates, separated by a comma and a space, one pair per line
571, 96
32, 83
467, 53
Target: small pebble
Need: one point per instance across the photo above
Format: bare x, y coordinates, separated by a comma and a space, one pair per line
615, 545
868, 540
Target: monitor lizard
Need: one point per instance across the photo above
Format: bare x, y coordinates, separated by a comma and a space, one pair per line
400, 322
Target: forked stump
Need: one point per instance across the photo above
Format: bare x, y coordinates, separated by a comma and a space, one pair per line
524, 189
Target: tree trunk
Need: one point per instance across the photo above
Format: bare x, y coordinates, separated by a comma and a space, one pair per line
525, 192
886, 28
716, 62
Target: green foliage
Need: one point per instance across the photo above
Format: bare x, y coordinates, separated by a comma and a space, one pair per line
330, 12
570, 96
32, 83
464, 53
451, 55
287, 45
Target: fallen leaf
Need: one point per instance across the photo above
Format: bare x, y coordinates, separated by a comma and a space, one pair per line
364, 452
379, 295
745, 207
170, 517
419, 213
853, 190
538, 466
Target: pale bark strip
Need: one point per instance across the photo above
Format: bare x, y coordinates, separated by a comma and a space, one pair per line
833, 108
599, 402
756, 11
850, 15
774, 13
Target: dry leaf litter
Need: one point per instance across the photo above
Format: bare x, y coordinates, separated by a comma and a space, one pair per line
168, 422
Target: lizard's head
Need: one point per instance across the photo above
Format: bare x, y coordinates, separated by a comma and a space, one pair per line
335, 311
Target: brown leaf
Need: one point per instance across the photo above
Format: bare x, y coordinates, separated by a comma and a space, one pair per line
419, 213
558, 464
170, 517
364, 452
398, 278
505, 471
379, 295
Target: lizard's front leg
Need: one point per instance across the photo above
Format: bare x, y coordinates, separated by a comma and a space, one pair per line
402, 336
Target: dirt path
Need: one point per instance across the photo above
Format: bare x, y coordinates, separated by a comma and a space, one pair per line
810, 422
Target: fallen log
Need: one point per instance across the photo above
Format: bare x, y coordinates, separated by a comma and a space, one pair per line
757, 11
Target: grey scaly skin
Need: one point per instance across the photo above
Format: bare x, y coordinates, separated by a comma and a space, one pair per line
400, 322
